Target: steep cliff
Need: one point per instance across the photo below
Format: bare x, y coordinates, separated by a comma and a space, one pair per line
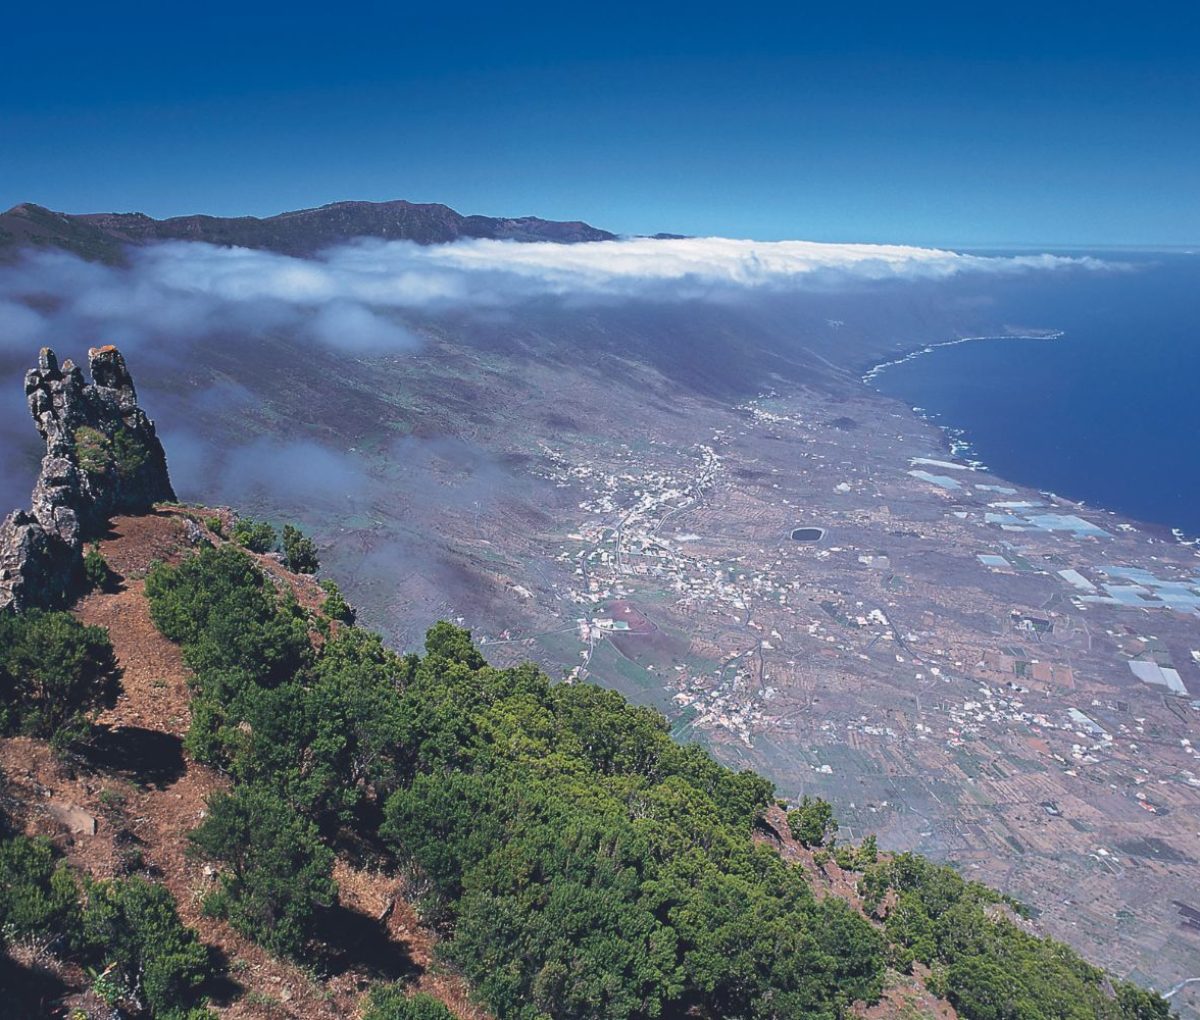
103, 457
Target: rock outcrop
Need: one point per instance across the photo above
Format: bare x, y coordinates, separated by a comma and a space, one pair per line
103, 457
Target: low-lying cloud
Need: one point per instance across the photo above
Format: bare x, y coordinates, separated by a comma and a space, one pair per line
354, 298
682, 267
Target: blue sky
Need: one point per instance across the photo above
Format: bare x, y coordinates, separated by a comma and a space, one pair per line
1047, 124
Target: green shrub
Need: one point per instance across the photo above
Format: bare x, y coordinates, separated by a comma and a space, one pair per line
96, 574
844, 856
128, 454
55, 674
812, 822
299, 551
97, 453
988, 967
583, 864
38, 897
355, 723
132, 929
390, 1002
238, 637
590, 866
227, 615
335, 605
867, 853
257, 536
128, 930
92, 450
276, 872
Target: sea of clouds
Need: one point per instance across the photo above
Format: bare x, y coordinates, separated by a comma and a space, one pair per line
353, 297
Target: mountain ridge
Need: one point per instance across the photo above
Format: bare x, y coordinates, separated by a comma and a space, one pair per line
104, 236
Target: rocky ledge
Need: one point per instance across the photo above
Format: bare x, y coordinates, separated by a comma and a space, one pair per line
103, 457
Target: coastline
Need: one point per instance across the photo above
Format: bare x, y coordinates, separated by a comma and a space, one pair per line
875, 370
958, 444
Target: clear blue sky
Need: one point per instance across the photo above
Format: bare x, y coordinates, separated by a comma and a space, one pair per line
960, 123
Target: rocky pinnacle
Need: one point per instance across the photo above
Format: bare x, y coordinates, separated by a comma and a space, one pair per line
102, 458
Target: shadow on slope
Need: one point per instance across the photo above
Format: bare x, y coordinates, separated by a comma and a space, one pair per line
149, 757
355, 941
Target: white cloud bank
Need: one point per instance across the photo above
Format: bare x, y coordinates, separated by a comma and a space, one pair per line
611, 266
353, 297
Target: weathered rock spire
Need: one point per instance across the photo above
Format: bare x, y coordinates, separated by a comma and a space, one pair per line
103, 457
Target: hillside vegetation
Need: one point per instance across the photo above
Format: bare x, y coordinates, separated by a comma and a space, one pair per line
573, 859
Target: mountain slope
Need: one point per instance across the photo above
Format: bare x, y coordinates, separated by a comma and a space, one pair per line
302, 232
281, 788
134, 796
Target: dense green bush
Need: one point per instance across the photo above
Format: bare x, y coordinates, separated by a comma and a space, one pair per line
335, 605
91, 450
38, 896
96, 574
221, 587
98, 453
987, 966
391, 1002
322, 730
132, 929
128, 454
299, 551
584, 864
126, 929
592, 867
276, 874
324, 740
55, 675
355, 725
812, 822
239, 637
257, 536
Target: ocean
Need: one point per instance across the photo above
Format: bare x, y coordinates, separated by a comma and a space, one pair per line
1108, 414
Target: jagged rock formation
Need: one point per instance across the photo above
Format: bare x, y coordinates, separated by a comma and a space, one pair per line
103, 457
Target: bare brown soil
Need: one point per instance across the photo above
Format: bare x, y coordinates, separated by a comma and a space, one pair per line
906, 998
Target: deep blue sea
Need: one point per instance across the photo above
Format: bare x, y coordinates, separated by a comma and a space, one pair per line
1109, 414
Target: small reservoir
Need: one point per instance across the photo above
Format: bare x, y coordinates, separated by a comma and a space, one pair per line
808, 534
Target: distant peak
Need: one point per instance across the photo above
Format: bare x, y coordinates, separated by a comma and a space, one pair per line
30, 209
